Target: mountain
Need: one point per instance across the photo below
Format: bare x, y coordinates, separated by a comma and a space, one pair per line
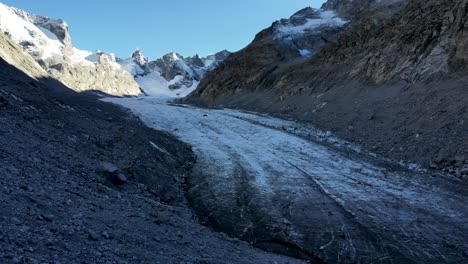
392, 79
48, 41
286, 42
172, 75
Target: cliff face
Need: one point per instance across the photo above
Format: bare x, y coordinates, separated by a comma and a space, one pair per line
13, 54
426, 38
48, 41
392, 80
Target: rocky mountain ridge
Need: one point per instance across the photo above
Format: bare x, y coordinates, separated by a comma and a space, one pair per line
48, 41
287, 42
395, 71
172, 75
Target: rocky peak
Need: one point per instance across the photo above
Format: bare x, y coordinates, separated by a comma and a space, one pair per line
139, 58
171, 57
196, 61
172, 74
58, 27
172, 65
222, 55
301, 17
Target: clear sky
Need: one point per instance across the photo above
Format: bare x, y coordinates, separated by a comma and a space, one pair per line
161, 26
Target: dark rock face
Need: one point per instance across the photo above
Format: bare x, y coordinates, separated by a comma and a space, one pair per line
395, 71
171, 66
426, 38
352, 9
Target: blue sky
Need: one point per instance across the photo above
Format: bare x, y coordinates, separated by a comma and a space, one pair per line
158, 27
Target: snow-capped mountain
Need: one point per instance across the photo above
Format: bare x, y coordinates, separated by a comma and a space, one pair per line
286, 42
172, 75
48, 41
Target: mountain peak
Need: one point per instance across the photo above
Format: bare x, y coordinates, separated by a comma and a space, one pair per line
172, 56
172, 75
139, 58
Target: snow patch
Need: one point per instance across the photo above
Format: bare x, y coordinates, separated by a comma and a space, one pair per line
131, 67
49, 34
155, 85
327, 18
305, 52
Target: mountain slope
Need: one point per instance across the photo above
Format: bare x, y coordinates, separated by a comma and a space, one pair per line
287, 42
394, 81
171, 75
48, 41
14, 55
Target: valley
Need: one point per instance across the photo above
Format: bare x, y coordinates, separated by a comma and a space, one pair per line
289, 188
338, 135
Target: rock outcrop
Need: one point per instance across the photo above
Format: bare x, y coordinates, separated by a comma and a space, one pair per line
14, 55
48, 41
392, 80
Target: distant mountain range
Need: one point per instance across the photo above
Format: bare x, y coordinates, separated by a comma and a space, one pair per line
172, 75
49, 42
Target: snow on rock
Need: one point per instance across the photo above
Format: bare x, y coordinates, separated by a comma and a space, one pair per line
172, 75
306, 31
304, 52
48, 41
299, 24
28, 35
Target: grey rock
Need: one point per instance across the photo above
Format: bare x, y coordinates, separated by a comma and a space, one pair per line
355, 8
113, 173
118, 178
92, 235
108, 167
46, 217
105, 235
